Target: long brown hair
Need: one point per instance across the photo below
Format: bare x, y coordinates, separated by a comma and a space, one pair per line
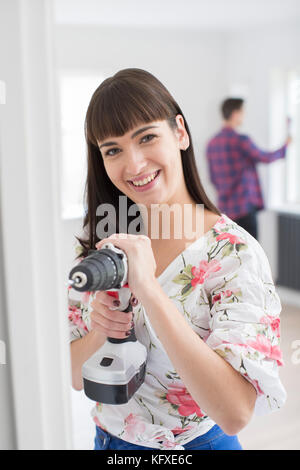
127, 99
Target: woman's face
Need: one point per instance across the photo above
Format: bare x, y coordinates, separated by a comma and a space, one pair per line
145, 163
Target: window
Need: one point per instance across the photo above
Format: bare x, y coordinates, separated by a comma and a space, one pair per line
293, 162
285, 103
75, 91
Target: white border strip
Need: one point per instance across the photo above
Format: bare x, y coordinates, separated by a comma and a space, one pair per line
2, 92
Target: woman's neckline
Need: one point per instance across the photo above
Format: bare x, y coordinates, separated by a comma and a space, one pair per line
201, 239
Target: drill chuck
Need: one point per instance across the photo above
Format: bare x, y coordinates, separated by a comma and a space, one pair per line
102, 269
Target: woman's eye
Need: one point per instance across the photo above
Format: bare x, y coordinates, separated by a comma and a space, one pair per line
146, 137
110, 154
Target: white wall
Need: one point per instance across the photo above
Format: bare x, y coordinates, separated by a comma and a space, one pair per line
218, 15
190, 64
35, 293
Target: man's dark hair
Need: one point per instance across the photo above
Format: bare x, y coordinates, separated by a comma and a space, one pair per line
230, 105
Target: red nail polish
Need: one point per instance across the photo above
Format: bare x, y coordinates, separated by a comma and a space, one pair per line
134, 301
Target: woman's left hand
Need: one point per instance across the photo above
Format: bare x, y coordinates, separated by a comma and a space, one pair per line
141, 261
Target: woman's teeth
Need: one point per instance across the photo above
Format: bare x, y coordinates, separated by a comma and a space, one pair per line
145, 180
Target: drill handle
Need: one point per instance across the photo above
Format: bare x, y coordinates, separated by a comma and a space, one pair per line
124, 296
127, 309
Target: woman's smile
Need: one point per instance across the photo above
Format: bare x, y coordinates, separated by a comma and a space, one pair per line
146, 183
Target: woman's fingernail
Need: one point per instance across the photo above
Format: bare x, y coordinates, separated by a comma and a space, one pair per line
116, 303
134, 301
128, 333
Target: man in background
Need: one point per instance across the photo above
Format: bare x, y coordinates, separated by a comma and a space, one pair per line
232, 160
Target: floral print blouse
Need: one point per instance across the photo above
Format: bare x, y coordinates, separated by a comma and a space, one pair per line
222, 285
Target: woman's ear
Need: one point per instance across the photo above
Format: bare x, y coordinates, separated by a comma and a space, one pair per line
181, 132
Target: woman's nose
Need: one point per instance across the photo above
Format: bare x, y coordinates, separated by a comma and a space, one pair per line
135, 162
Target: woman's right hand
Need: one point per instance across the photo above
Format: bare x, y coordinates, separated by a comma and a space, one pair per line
113, 323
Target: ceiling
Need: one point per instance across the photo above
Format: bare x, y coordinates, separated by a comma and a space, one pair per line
220, 15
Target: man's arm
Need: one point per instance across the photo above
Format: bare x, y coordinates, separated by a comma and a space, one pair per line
250, 150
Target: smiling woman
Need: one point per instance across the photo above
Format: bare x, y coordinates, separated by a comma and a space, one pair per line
205, 313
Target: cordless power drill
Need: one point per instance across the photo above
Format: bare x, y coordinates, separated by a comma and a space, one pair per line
116, 371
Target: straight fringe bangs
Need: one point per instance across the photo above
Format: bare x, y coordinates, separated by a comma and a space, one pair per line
120, 104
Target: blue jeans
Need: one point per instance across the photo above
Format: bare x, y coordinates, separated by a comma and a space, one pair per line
214, 439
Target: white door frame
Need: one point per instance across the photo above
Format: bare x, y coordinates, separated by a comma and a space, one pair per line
31, 219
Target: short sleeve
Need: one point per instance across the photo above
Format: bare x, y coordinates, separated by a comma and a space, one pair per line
244, 315
78, 311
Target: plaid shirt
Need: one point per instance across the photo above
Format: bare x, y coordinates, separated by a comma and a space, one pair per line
232, 160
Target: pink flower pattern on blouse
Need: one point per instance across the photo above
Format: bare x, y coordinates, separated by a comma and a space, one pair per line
186, 405
75, 317
233, 239
133, 425
203, 271
222, 284
263, 344
274, 322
